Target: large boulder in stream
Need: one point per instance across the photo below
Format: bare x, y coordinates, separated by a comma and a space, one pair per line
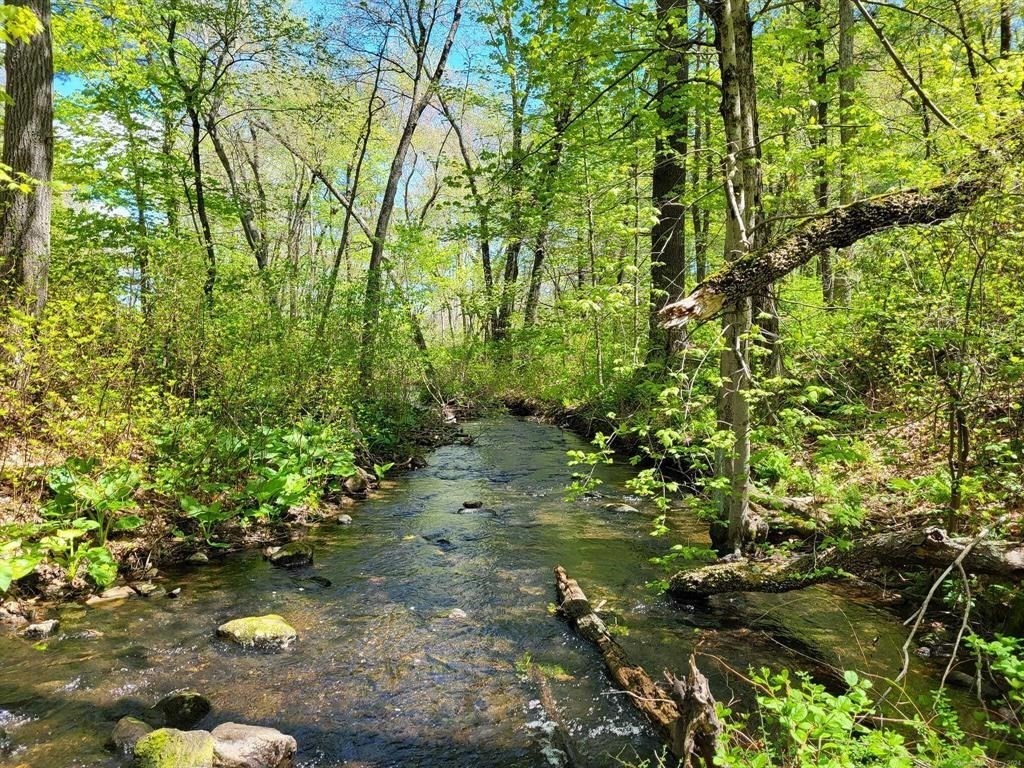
127, 733
251, 746
264, 633
294, 554
182, 709
171, 748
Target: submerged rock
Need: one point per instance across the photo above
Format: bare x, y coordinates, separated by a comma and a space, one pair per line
198, 557
183, 709
251, 746
344, 519
171, 748
621, 509
294, 554
110, 595
457, 614
41, 630
267, 633
148, 589
127, 733
320, 581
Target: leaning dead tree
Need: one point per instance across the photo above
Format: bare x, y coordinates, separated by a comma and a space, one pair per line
683, 712
843, 226
932, 547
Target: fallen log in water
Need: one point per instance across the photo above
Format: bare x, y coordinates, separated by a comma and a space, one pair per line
932, 547
683, 714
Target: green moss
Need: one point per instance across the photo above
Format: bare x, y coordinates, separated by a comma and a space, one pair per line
171, 748
267, 632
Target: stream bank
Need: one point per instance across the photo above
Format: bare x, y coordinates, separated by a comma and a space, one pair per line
418, 626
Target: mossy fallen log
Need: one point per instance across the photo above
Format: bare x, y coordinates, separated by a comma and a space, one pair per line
932, 547
683, 712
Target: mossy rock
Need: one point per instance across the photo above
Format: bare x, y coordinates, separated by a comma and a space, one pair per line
268, 633
171, 748
294, 554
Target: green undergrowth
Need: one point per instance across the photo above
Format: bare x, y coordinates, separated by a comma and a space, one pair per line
109, 438
797, 723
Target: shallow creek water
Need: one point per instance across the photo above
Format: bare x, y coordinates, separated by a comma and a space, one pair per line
381, 676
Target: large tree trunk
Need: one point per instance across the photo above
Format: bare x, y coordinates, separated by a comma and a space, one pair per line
28, 150
668, 235
204, 217
1005, 28
929, 548
743, 225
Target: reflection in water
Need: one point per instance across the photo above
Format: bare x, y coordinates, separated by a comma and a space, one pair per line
382, 674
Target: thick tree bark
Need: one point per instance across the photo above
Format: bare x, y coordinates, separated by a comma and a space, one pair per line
28, 152
929, 548
1005, 28
684, 715
668, 183
840, 227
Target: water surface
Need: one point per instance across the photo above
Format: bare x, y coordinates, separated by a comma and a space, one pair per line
381, 676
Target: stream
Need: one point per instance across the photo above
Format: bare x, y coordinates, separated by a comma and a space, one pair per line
381, 674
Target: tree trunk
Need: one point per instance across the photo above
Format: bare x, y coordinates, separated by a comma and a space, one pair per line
818, 138
929, 548
546, 197
204, 219
847, 86
697, 214
254, 236
743, 219
28, 152
1005, 28
668, 235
